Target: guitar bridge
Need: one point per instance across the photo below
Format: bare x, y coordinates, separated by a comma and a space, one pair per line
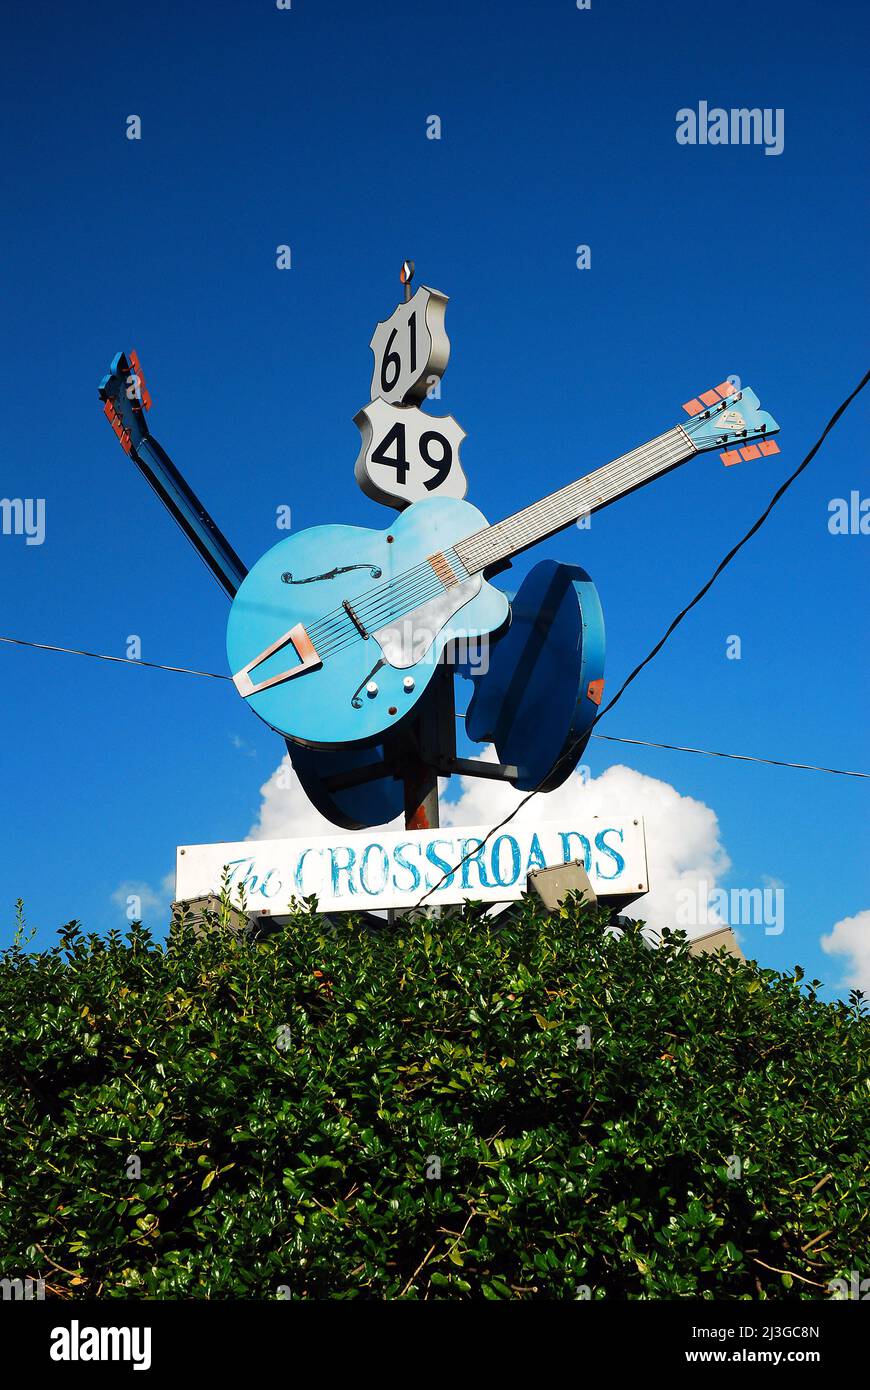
354, 617
304, 648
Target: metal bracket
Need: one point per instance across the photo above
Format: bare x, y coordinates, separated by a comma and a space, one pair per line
467, 767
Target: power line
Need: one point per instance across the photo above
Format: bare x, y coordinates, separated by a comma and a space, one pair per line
612, 738
742, 757
756, 526
125, 660
712, 753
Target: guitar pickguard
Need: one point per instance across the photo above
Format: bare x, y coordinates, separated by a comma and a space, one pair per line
407, 641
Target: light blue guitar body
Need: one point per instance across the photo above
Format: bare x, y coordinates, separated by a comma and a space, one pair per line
295, 638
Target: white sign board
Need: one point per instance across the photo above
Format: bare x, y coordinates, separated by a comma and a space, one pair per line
393, 868
410, 347
407, 455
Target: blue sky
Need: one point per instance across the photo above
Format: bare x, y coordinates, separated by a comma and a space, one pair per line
307, 127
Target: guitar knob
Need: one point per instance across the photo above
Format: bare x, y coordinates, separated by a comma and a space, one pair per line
408, 684
372, 689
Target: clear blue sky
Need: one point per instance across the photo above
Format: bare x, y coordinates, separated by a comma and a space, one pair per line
308, 127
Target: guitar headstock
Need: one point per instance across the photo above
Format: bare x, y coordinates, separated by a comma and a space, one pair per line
730, 417
126, 399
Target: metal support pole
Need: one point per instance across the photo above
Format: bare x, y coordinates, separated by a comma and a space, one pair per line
433, 738
421, 797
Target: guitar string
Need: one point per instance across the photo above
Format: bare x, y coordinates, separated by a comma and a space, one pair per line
516, 536
410, 591
386, 606
343, 639
633, 460
623, 468
524, 524
638, 472
385, 603
374, 601
394, 592
413, 590
395, 603
664, 442
384, 593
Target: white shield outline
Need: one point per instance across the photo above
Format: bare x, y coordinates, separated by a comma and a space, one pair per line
375, 421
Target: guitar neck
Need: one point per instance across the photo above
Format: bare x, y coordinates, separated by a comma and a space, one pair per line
516, 533
181, 501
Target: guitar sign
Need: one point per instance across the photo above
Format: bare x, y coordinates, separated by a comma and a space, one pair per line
336, 632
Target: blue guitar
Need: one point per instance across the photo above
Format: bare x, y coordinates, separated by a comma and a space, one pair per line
335, 633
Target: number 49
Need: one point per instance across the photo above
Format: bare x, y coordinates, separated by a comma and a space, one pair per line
396, 437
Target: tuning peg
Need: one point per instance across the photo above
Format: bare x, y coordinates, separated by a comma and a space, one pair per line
144, 393
719, 394
114, 419
763, 448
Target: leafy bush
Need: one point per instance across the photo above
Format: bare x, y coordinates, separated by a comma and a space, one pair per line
290, 1100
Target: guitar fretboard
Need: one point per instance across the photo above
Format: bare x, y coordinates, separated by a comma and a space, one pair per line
560, 509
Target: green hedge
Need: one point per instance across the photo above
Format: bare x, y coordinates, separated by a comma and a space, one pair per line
288, 1100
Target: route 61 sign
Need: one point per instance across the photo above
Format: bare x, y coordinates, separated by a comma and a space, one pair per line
410, 347
407, 455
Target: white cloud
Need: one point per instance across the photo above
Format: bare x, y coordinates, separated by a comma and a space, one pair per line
684, 849
285, 810
143, 901
682, 835
850, 938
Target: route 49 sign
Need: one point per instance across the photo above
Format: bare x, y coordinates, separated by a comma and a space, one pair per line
407, 455
410, 348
